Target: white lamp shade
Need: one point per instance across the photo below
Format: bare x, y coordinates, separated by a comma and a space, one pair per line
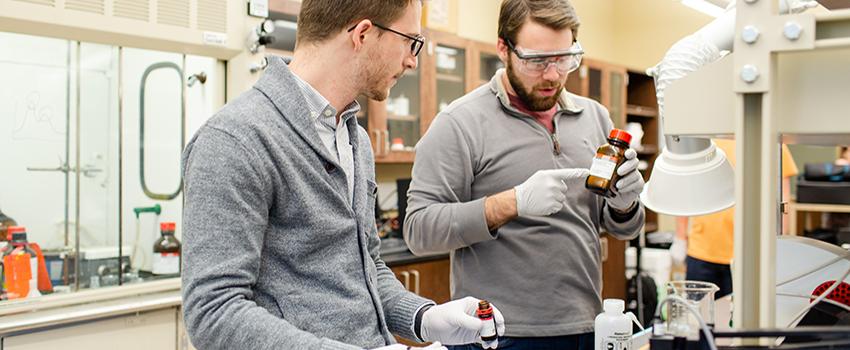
690, 184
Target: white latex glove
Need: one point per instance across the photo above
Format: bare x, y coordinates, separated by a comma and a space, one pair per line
544, 192
679, 250
630, 184
455, 323
434, 346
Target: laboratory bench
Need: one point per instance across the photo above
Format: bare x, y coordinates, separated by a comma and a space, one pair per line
139, 316
148, 315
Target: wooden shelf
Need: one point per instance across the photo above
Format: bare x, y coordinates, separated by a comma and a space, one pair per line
806, 216
449, 77
642, 111
835, 208
404, 118
396, 157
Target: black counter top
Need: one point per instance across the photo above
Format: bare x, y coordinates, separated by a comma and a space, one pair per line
404, 258
394, 252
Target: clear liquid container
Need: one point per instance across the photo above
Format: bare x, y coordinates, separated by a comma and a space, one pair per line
700, 296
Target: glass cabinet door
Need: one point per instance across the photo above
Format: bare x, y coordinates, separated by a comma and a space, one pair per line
38, 119
489, 64
403, 112
616, 97
451, 73
594, 77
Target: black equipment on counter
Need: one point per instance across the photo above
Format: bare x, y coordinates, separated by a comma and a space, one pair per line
829, 338
824, 183
402, 185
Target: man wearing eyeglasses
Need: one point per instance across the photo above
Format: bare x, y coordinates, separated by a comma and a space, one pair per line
498, 181
280, 247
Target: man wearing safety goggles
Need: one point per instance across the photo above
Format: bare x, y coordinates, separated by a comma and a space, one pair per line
498, 182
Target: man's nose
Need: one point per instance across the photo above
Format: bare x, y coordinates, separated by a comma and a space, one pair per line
551, 71
411, 62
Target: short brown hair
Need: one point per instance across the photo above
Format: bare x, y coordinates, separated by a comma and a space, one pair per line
555, 14
321, 19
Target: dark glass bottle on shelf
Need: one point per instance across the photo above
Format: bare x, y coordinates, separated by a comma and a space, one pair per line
603, 171
166, 252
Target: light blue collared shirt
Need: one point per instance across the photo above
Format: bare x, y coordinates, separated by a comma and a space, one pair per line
333, 134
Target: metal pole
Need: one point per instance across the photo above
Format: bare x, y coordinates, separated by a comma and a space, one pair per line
67, 143
77, 177
120, 162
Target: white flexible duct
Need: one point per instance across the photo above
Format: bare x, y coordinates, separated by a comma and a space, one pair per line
689, 161
701, 48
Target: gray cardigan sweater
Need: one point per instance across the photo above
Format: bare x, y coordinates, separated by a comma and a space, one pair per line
543, 272
274, 254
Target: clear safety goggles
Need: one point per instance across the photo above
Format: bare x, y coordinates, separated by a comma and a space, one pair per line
536, 62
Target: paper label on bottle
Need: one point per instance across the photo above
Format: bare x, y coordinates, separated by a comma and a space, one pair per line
617, 341
488, 327
603, 166
166, 263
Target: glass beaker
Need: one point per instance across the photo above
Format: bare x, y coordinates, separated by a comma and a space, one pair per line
700, 296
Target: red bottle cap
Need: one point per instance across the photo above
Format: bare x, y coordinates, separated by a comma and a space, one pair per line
398, 141
167, 226
621, 135
16, 229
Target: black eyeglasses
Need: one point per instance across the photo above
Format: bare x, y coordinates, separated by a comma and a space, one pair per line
416, 42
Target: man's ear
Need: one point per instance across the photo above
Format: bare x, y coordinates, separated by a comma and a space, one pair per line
504, 53
362, 30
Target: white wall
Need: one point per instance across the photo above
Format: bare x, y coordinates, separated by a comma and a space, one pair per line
32, 133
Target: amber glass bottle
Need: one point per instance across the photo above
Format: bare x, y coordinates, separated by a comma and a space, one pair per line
166, 251
485, 313
603, 171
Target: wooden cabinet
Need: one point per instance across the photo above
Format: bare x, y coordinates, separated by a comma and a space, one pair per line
443, 75
428, 279
604, 82
613, 267
629, 97
642, 108
485, 62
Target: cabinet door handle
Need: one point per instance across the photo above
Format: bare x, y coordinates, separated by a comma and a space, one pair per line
415, 274
603, 244
406, 276
376, 137
386, 142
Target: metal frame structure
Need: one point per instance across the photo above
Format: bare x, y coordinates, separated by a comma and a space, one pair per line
787, 82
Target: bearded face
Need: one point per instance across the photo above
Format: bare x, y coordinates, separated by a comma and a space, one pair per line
538, 94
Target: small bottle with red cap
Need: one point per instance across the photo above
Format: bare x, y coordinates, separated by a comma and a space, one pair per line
603, 171
166, 251
488, 330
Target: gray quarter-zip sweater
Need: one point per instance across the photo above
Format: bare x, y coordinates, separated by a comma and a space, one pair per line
544, 273
275, 254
